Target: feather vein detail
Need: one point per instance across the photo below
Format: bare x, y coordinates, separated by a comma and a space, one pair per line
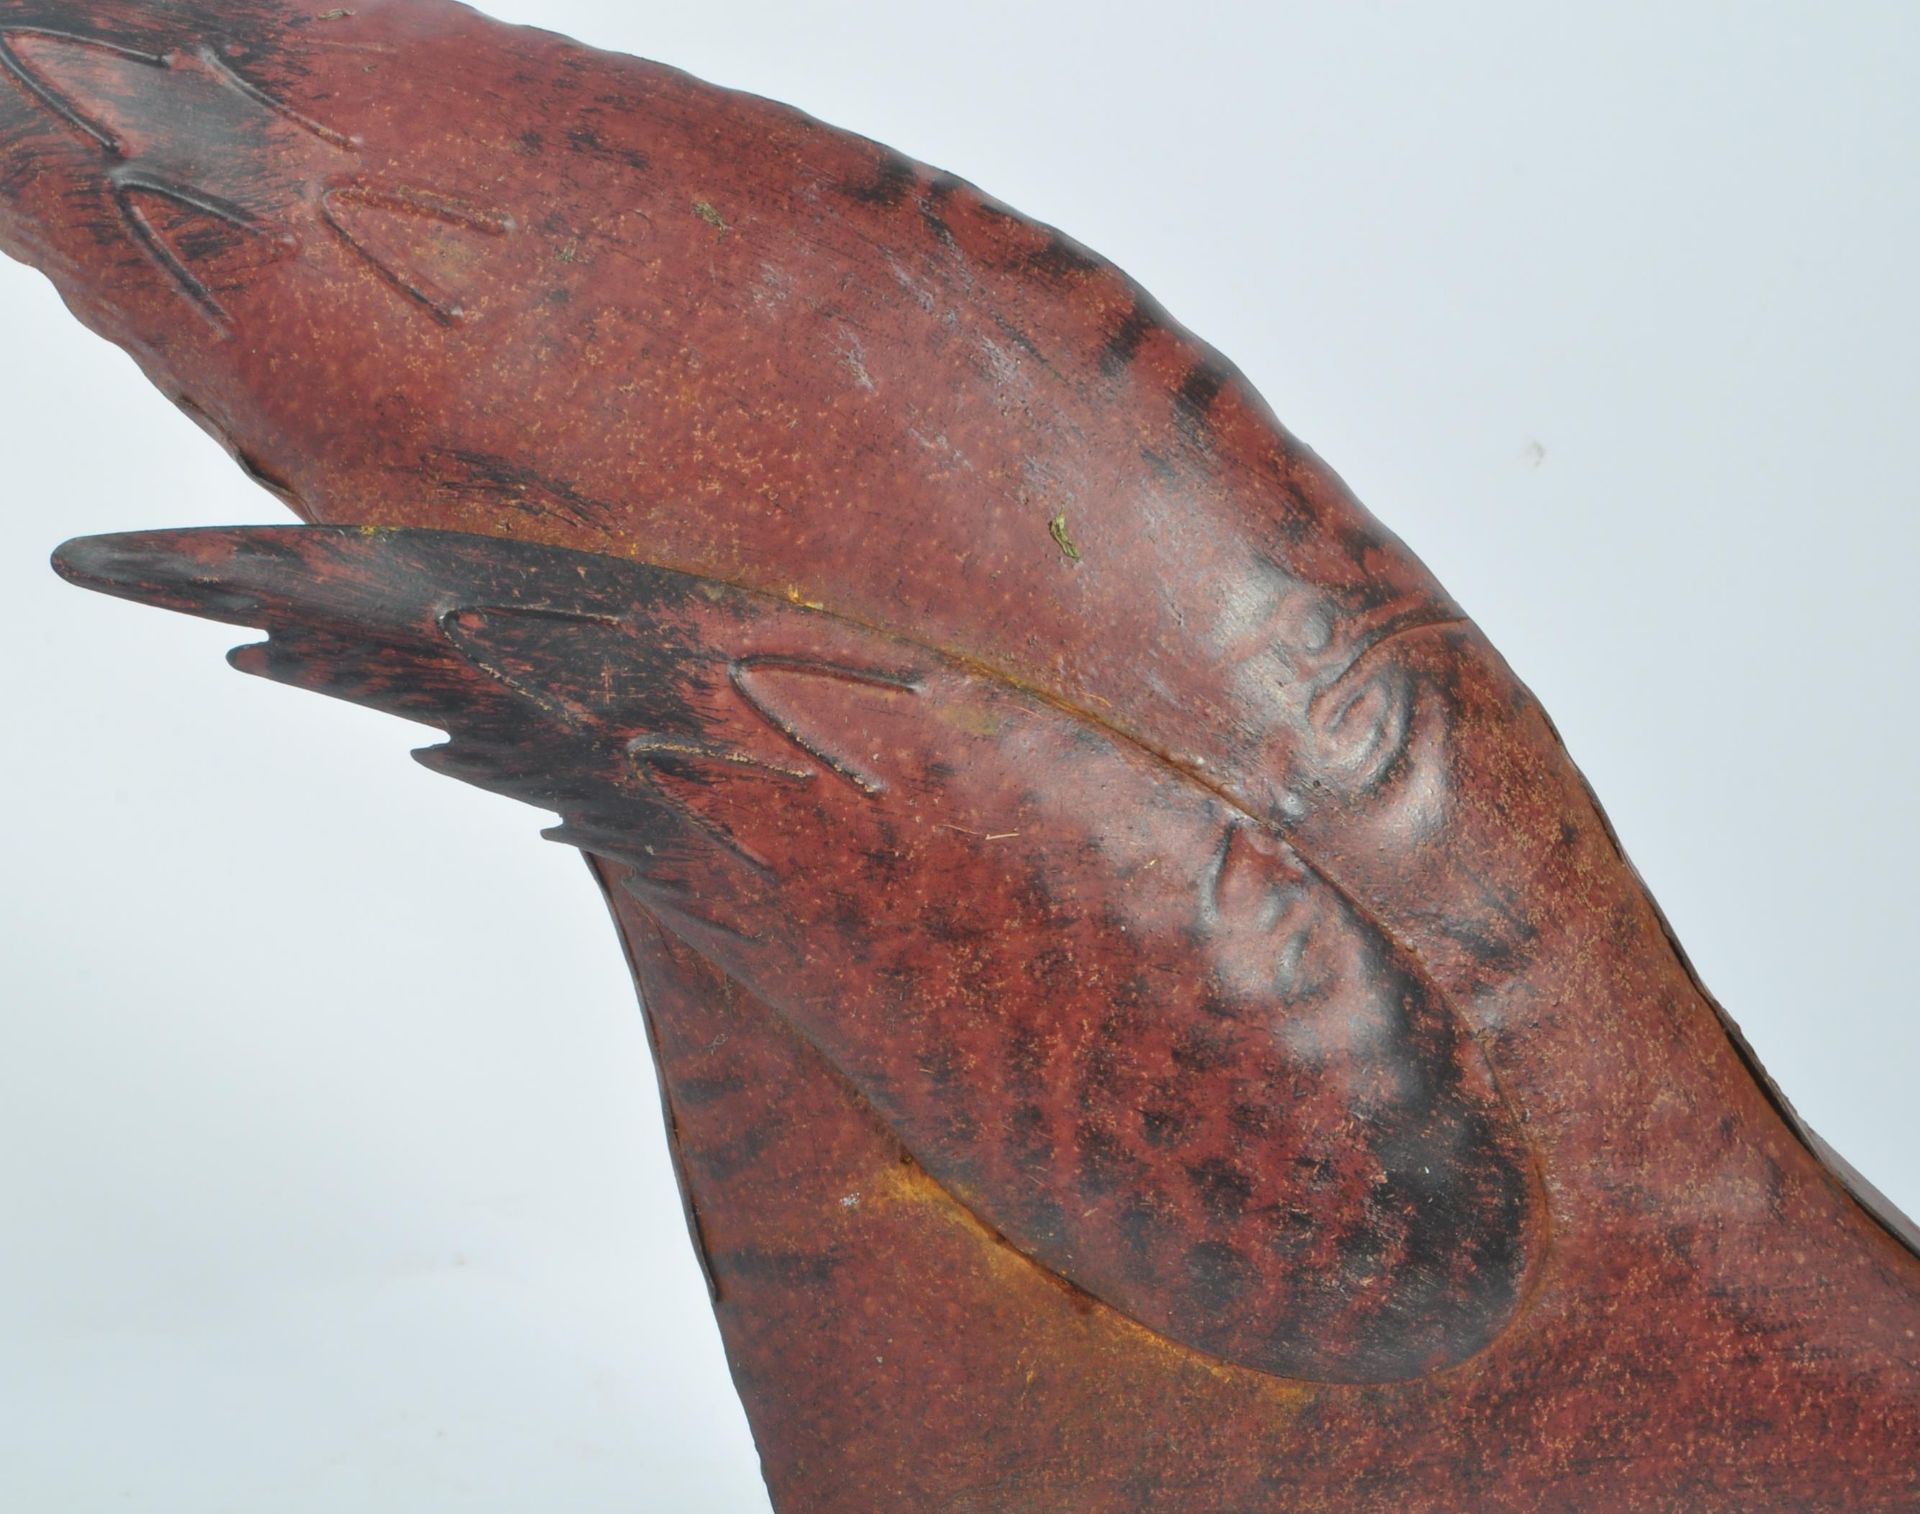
1138, 1034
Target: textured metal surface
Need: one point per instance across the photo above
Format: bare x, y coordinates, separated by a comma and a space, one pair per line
1028, 1175
1130, 1029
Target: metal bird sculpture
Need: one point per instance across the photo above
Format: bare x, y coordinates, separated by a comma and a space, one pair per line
1148, 1013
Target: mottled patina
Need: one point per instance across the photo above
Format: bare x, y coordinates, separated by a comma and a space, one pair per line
1149, 1015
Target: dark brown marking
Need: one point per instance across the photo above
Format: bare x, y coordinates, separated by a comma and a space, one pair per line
240, 84
1124, 341
129, 185
54, 99
356, 212
752, 677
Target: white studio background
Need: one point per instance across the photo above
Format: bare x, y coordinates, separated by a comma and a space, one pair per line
331, 1163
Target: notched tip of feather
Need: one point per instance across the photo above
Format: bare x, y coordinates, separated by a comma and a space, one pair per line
255, 657
449, 759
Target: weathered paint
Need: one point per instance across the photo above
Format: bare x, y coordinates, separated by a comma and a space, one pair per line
421, 270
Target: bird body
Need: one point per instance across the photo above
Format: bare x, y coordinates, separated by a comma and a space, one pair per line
1148, 1012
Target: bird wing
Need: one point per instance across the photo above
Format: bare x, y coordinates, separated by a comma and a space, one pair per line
1120, 1019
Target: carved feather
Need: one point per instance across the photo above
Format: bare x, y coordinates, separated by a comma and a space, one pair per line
1120, 1019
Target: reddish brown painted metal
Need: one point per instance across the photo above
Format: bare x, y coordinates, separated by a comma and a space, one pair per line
1072, 1169
1133, 1031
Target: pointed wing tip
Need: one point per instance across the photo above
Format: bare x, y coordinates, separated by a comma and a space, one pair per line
185, 570
260, 576
113, 564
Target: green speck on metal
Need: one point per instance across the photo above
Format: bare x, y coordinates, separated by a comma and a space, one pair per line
704, 209
1057, 529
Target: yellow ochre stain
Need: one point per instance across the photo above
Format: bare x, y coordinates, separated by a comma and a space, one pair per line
906, 1183
972, 719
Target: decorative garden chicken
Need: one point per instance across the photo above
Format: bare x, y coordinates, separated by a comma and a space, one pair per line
1149, 1015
